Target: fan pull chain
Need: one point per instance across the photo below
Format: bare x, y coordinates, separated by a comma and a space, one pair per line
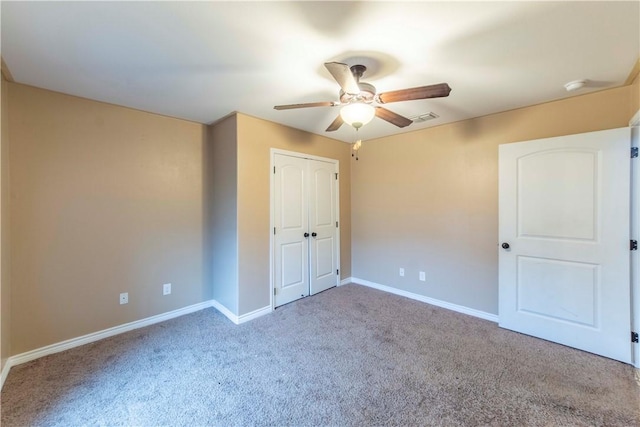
356, 146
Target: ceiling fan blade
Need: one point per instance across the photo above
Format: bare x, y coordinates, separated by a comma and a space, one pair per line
335, 125
393, 118
343, 75
309, 104
423, 92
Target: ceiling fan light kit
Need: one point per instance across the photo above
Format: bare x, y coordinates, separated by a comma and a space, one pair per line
358, 99
357, 114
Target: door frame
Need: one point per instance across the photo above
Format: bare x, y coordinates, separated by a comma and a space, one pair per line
634, 125
299, 155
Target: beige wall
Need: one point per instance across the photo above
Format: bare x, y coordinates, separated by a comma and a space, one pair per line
256, 137
428, 200
635, 95
5, 288
104, 200
222, 157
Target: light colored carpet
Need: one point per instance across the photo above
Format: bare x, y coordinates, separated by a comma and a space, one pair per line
349, 356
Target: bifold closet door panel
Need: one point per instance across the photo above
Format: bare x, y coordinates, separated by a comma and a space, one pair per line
291, 249
322, 225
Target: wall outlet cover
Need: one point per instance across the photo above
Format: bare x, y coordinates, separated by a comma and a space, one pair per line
124, 298
166, 289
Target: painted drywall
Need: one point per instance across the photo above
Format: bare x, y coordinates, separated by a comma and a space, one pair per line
104, 200
222, 160
428, 200
5, 288
256, 137
635, 95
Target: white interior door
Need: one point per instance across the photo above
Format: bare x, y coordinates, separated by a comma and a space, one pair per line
323, 226
635, 234
564, 212
291, 220
305, 227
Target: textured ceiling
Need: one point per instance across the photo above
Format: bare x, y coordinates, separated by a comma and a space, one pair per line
202, 60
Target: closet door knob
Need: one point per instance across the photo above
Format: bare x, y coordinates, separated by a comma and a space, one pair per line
306, 234
505, 245
314, 234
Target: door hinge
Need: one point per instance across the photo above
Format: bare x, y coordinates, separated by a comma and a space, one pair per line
634, 152
337, 172
274, 291
336, 224
274, 231
274, 169
337, 272
633, 245
634, 336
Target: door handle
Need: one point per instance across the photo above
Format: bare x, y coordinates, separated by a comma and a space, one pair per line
306, 234
505, 245
314, 234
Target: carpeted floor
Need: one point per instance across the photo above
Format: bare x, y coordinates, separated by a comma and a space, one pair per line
348, 356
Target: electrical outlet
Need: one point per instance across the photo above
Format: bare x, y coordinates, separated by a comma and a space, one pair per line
402, 272
124, 298
166, 289
423, 276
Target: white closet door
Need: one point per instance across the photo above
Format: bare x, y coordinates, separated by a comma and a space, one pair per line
323, 226
564, 232
291, 252
305, 250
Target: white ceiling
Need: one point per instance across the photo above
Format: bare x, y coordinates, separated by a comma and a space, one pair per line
202, 60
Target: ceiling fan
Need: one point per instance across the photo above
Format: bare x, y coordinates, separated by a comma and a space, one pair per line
358, 99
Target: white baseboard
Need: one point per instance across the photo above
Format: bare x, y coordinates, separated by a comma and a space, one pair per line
345, 281
243, 317
96, 336
224, 310
5, 372
254, 314
454, 307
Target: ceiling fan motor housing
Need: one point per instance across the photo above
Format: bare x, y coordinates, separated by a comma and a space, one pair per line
358, 71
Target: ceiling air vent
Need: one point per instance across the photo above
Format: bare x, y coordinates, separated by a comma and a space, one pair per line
424, 117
